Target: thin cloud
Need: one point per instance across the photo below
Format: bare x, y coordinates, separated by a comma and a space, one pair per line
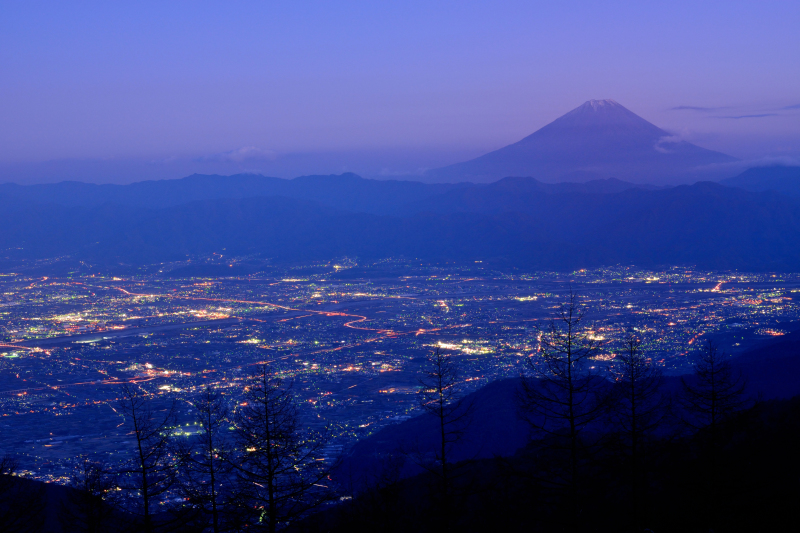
760, 115
387, 172
701, 109
663, 144
247, 153
740, 165
697, 108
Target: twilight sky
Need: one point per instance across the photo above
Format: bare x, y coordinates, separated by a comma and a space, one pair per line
125, 91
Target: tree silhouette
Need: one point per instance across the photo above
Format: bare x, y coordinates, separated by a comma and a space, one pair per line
279, 476
638, 409
439, 397
206, 473
714, 395
716, 392
153, 469
86, 510
562, 396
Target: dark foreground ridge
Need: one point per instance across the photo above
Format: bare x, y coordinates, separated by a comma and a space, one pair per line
755, 489
497, 429
732, 476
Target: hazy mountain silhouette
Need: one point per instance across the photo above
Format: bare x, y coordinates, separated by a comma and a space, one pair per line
346, 191
514, 222
776, 178
600, 139
522, 195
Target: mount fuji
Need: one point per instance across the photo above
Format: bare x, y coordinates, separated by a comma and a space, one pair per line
599, 139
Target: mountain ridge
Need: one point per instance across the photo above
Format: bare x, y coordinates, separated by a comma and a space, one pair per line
706, 224
346, 191
781, 178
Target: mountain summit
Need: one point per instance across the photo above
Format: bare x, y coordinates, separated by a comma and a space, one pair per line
599, 139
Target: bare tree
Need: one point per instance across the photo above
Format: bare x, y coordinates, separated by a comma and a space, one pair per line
279, 475
639, 408
440, 398
714, 395
716, 392
86, 509
153, 469
562, 396
206, 472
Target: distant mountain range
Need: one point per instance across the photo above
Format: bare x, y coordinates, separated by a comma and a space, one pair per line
782, 179
514, 222
346, 191
600, 139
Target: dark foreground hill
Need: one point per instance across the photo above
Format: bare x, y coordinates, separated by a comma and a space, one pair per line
746, 481
740, 477
29, 506
494, 429
513, 222
770, 371
772, 368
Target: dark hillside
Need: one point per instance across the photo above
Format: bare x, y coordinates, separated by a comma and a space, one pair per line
29, 506
753, 488
772, 370
495, 430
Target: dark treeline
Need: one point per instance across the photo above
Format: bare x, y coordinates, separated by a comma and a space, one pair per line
613, 446
246, 464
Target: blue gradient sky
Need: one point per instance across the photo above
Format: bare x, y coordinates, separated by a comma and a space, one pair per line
122, 91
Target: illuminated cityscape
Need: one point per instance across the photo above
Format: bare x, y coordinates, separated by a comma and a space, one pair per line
351, 337
399, 267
